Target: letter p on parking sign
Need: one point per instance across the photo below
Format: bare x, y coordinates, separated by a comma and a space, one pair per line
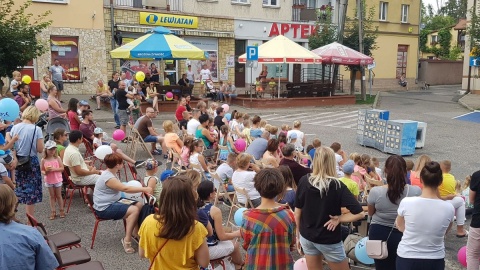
252, 53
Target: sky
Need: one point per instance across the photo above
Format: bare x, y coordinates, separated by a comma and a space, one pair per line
434, 3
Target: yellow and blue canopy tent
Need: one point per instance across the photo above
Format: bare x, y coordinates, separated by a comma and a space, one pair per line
159, 44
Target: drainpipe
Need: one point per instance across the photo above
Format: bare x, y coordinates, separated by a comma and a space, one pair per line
471, 43
418, 49
112, 23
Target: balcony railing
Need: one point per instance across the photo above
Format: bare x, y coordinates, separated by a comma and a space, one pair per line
171, 5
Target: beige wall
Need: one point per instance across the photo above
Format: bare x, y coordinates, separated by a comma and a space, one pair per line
254, 10
440, 72
75, 14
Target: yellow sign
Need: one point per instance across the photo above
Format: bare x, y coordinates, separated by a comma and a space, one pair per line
168, 20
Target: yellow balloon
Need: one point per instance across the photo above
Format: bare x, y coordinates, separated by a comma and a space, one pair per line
26, 79
140, 76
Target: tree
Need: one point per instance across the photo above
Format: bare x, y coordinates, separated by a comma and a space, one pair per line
351, 39
457, 9
18, 36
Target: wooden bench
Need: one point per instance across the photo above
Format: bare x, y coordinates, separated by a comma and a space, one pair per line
170, 105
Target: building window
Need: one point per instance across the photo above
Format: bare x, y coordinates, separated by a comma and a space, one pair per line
53, 1
383, 11
241, 1
210, 46
274, 3
434, 40
405, 13
65, 49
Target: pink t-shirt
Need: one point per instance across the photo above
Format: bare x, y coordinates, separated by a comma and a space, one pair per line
52, 177
359, 180
185, 157
74, 125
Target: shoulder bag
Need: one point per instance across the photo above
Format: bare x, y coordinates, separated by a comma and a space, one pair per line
154, 257
24, 161
377, 249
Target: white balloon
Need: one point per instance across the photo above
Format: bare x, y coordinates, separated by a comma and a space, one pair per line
102, 151
133, 196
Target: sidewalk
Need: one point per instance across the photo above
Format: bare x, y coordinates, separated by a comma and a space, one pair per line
470, 101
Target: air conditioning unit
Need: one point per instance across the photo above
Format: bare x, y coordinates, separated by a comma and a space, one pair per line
157, 4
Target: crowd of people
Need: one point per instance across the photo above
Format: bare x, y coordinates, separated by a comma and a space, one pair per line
300, 193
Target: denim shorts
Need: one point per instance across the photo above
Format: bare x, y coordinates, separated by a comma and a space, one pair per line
150, 139
331, 252
115, 211
59, 184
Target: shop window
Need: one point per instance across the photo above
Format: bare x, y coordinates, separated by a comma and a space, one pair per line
405, 9
210, 46
65, 49
271, 3
383, 11
53, 1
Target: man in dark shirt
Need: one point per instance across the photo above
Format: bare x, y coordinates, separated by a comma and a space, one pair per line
183, 81
121, 96
148, 133
298, 170
87, 126
218, 121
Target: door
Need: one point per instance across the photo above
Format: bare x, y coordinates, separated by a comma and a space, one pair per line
240, 48
401, 60
297, 73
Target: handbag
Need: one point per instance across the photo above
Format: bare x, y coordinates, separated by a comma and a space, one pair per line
24, 163
377, 249
147, 209
160, 249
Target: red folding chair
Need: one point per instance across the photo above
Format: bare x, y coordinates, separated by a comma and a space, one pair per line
70, 191
62, 240
89, 200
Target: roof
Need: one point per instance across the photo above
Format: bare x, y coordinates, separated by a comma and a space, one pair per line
461, 25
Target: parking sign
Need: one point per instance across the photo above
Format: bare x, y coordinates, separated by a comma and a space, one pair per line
252, 53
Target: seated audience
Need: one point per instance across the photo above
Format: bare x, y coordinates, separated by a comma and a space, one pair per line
225, 171
149, 134
288, 196
348, 169
258, 147
243, 178
298, 170
81, 173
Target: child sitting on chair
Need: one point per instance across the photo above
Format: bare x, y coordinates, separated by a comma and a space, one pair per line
98, 140
258, 85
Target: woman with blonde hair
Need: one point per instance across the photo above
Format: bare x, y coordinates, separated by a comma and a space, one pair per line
171, 138
30, 142
318, 202
44, 84
54, 106
415, 175
172, 238
243, 178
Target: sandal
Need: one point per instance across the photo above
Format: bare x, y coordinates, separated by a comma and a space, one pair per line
52, 215
62, 214
127, 246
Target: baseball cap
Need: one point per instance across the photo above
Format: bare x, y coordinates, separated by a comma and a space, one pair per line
50, 145
83, 103
98, 130
151, 164
165, 174
348, 167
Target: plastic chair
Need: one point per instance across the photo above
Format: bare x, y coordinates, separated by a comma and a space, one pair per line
221, 191
91, 265
70, 257
89, 199
62, 240
236, 204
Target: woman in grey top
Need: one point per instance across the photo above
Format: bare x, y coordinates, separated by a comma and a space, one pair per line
383, 203
106, 198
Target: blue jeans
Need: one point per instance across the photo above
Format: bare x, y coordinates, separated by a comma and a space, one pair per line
114, 104
221, 96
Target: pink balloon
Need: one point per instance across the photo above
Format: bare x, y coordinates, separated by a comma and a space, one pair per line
240, 144
225, 108
169, 95
118, 135
300, 264
41, 104
462, 256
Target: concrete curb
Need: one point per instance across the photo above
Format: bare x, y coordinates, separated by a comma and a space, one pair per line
465, 105
375, 102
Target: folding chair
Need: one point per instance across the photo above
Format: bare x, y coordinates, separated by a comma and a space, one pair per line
177, 166
89, 199
132, 146
72, 187
91, 265
220, 148
88, 149
199, 169
71, 257
236, 204
62, 240
221, 190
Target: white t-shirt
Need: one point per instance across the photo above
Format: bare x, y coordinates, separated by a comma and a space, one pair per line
300, 135
205, 74
190, 76
194, 160
224, 171
244, 179
233, 128
192, 126
425, 229
338, 159
97, 141
12, 84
